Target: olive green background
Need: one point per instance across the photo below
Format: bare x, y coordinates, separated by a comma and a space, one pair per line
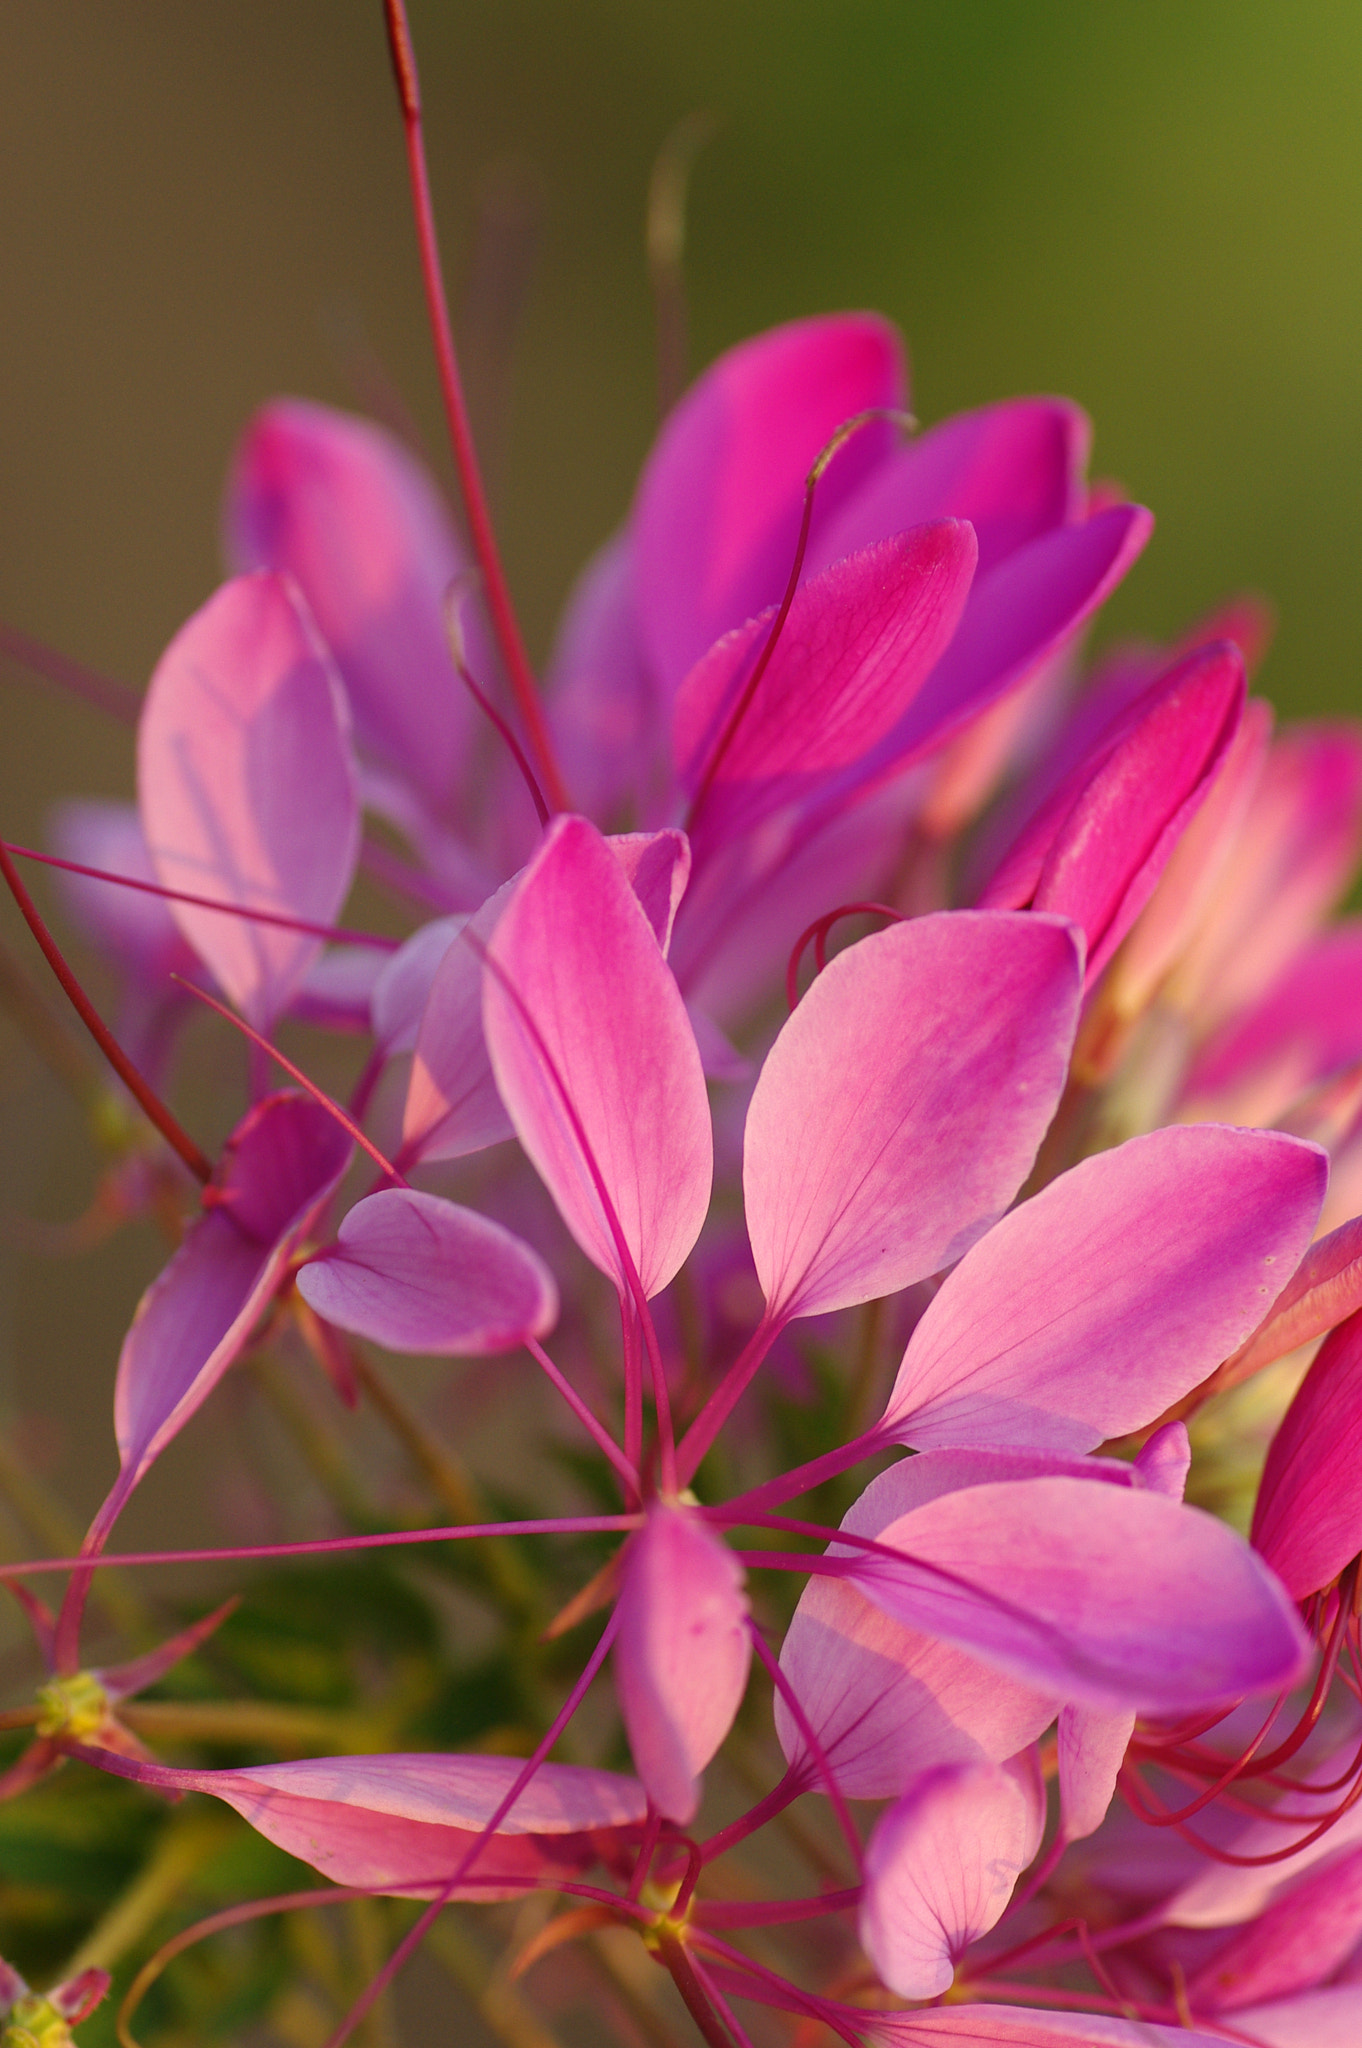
1152, 205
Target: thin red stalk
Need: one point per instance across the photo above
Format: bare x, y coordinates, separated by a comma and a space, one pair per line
504, 622
415, 1935
339, 933
720, 2003
102, 691
1220, 1855
694, 1996
789, 1997
643, 1861
763, 661
818, 932
597, 1431
517, 752
324, 1546
725, 1397
146, 1097
815, 1747
319, 1095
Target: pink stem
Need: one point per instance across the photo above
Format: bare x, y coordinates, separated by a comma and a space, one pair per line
145, 1095
504, 622
595, 1429
725, 1397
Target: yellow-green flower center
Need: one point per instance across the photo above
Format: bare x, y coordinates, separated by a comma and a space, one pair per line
77, 1706
33, 2023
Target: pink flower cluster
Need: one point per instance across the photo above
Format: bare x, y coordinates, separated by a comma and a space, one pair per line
1066, 1115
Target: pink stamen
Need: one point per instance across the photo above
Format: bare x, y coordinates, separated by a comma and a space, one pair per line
504, 622
140, 1089
818, 931
820, 1756
102, 691
319, 1095
596, 1429
725, 1397
338, 933
517, 752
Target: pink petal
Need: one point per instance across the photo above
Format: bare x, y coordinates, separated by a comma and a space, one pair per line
719, 502
247, 786
940, 1869
903, 1102
884, 1701
1331, 2018
608, 715
1092, 1747
1305, 1027
1294, 858
1009, 2026
1110, 1294
858, 643
402, 988
338, 990
134, 929
658, 867
595, 1058
1112, 842
277, 1169
416, 1273
1308, 1520
341, 507
1105, 1594
1325, 1289
1013, 470
1017, 616
405, 1823
1298, 1941
681, 1655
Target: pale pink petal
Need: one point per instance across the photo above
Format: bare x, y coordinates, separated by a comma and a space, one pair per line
1105, 1594
940, 1868
132, 928
1115, 842
247, 787
338, 989
346, 511
1013, 470
1298, 1941
405, 1824
859, 642
1162, 1464
1331, 2018
596, 1061
903, 1102
608, 715
1308, 1520
1325, 1289
277, 1169
658, 867
1106, 1297
884, 1701
401, 990
416, 1273
1009, 2026
682, 1654
1305, 1027
718, 509
1092, 1747
1017, 616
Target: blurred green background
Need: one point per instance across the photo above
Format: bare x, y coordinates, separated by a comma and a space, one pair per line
1153, 207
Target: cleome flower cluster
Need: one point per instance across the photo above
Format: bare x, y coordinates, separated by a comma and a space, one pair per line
825, 973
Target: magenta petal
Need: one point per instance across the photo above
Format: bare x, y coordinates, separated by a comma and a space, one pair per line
940, 1868
404, 1824
1110, 1294
1308, 1520
1017, 616
608, 715
1092, 1748
1110, 1595
596, 1061
681, 1655
718, 508
1012, 2026
1324, 1290
247, 786
417, 1273
658, 867
1303, 1029
884, 1701
342, 508
1013, 470
855, 649
1110, 849
1300, 1939
902, 1104
277, 1169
